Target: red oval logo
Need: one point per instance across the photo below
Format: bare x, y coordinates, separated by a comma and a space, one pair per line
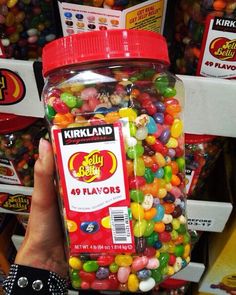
223, 49
5, 171
92, 167
12, 87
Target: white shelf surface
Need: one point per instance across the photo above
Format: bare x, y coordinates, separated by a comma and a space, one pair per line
192, 272
210, 105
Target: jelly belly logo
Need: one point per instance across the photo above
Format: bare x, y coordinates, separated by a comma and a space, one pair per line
223, 49
12, 87
92, 167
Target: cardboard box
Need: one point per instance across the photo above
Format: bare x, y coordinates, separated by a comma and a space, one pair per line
220, 277
21, 84
148, 15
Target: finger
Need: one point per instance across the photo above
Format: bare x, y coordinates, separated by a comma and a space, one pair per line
44, 191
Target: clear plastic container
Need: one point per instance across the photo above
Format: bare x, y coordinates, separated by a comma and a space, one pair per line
201, 154
115, 117
19, 139
204, 39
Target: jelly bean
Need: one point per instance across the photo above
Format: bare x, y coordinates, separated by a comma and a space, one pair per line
139, 167
177, 128
137, 196
140, 244
106, 222
165, 136
87, 276
102, 273
153, 263
165, 237
113, 267
159, 158
136, 182
159, 118
167, 174
133, 283
139, 263
179, 250
147, 202
137, 211
123, 274
147, 285
141, 133
167, 218
157, 275
160, 213
178, 264
143, 274
148, 175
90, 266
139, 228
149, 228
105, 260
85, 285
152, 239
128, 113
123, 260
159, 173
75, 263
151, 126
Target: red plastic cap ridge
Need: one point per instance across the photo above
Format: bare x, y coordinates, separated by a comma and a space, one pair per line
104, 45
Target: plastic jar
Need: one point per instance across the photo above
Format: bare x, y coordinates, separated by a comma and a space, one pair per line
201, 153
19, 138
204, 42
114, 113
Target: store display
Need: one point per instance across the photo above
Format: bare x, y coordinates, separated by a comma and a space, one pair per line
204, 42
25, 27
19, 138
115, 116
119, 14
201, 153
220, 276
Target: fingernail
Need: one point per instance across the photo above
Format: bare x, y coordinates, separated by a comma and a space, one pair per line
42, 148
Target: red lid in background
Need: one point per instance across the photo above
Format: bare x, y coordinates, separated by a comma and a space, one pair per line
11, 122
198, 138
104, 45
173, 283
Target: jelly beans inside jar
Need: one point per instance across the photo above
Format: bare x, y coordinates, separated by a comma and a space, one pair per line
19, 139
115, 117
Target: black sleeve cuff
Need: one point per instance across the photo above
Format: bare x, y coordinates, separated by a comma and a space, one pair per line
29, 280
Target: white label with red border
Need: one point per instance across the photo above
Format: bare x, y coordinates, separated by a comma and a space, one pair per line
218, 53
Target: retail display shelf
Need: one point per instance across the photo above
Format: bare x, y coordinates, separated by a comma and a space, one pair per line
210, 105
192, 272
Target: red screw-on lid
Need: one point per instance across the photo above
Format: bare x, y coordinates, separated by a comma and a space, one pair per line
173, 283
104, 45
198, 138
11, 122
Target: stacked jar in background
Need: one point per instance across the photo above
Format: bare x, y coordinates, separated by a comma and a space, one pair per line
204, 38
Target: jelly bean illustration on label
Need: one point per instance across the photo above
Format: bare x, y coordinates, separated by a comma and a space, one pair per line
12, 87
91, 167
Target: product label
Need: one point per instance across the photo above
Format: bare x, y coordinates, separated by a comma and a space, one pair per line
92, 170
8, 173
17, 202
2, 54
218, 53
145, 17
189, 175
77, 18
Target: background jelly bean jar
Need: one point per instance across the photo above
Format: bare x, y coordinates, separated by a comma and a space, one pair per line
115, 117
204, 39
19, 138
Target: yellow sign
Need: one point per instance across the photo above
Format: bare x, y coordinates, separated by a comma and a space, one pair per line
148, 17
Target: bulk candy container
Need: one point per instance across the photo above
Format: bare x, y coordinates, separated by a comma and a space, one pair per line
19, 139
204, 42
201, 154
115, 117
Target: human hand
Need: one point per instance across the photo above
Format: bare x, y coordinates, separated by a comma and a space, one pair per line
43, 243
